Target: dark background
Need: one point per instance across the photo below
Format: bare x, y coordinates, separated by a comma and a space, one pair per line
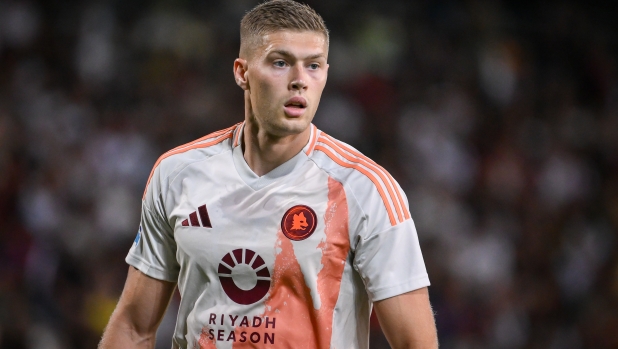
498, 118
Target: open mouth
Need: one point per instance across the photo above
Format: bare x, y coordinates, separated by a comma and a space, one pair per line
296, 102
295, 107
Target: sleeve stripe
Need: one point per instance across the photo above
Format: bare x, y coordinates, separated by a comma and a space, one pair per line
340, 149
210, 135
313, 140
222, 135
369, 175
391, 180
387, 180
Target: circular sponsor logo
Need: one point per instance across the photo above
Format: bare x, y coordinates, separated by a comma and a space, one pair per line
244, 276
298, 223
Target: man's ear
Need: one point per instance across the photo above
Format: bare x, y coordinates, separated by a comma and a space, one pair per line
240, 73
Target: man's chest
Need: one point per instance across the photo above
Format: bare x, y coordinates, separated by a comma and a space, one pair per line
277, 253
226, 228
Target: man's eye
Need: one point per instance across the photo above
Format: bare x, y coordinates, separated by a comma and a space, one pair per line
314, 66
279, 64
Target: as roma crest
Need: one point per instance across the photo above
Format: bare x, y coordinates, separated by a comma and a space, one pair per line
298, 223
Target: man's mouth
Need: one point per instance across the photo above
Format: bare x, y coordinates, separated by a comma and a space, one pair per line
295, 107
296, 102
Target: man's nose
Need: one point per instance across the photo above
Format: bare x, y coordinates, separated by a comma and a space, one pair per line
299, 79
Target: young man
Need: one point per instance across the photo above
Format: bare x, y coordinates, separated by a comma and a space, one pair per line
277, 235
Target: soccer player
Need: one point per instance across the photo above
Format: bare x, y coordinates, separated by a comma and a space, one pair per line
276, 234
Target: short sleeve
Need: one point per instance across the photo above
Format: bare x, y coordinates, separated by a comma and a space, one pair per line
154, 249
390, 262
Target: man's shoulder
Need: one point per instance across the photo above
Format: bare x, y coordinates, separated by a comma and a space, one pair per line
335, 156
211, 144
370, 182
199, 149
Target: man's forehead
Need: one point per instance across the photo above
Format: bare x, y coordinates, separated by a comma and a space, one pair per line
288, 39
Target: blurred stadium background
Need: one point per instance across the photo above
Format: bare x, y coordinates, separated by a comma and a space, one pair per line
498, 118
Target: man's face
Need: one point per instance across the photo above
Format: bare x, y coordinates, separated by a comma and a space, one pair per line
285, 74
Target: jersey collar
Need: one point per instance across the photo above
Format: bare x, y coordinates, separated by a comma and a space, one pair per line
256, 182
237, 135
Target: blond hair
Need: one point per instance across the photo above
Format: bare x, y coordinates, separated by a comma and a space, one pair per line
276, 15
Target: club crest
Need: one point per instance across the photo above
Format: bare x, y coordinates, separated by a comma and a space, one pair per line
299, 222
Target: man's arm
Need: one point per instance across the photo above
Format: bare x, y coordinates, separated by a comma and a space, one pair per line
139, 311
407, 320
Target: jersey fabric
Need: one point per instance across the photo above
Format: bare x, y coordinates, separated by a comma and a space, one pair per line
291, 259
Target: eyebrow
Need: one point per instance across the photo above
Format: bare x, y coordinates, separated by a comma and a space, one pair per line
288, 54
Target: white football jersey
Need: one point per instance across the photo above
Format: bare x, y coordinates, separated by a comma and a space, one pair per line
291, 259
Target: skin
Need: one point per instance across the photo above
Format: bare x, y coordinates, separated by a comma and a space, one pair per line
278, 67
407, 320
284, 64
139, 312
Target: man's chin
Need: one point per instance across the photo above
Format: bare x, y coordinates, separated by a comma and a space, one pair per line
292, 126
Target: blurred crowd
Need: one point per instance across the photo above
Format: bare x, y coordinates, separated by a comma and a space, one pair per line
498, 118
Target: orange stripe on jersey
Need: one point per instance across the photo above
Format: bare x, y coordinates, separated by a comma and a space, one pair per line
339, 149
192, 145
291, 300
313, 140
369, 175
210, 135
402, 206
239, 130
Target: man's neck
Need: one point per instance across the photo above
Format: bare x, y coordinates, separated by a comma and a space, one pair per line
264, 152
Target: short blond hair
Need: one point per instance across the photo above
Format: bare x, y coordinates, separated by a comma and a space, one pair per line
276, 15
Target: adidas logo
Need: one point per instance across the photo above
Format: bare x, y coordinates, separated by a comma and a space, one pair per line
203, 213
